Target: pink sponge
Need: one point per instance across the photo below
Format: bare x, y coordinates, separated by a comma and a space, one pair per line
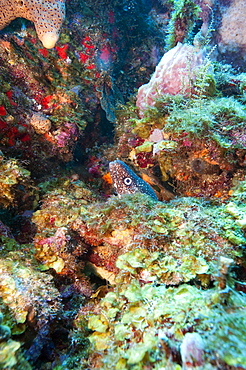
47, 16
175, 74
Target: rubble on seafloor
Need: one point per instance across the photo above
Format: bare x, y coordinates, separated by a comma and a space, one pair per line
93, 280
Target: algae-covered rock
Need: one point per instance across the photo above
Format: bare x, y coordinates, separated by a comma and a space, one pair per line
170, 242
141, 323
22, 296
15, 183
64, 202
11, 356
143, 319
8, 354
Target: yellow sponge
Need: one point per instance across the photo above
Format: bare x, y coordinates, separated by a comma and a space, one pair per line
47, 16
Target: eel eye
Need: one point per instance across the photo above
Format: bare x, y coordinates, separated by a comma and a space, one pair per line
127, 181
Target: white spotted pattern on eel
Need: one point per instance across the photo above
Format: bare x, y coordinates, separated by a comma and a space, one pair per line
127, 182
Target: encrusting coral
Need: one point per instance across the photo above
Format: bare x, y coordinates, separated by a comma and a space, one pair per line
47, 16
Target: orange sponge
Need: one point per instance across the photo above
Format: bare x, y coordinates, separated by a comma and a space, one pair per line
47, 16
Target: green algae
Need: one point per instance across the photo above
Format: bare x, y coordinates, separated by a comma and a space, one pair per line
179, 241
191, 219
8, 354
142, 321
141, 313
149, 314
183, 17
215, 118
158, 267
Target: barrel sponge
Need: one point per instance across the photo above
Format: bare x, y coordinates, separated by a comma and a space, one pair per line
175, 74
47, 16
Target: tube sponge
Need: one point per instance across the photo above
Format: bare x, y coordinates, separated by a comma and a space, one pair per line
47, 16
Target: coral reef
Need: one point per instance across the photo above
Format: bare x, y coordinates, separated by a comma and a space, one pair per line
162, 234
191, 145
94, 280
46, 15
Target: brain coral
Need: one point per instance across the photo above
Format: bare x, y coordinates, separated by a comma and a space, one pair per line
47, 16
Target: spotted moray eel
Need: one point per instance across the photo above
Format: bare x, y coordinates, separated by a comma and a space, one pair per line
127, 182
